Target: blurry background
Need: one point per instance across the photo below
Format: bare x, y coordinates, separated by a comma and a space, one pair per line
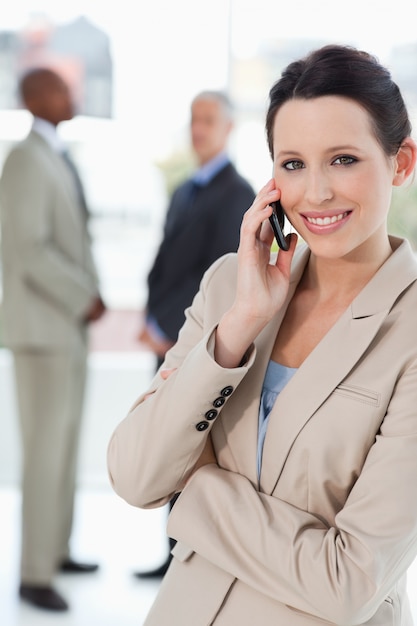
135, 67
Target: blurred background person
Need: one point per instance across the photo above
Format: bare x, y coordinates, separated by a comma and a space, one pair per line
50, 295
202, 223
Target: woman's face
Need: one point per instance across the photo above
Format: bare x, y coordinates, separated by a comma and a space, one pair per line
334, 177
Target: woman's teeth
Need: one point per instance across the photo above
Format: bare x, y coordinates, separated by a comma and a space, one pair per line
324, 221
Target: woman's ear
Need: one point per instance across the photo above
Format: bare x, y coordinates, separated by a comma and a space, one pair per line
405, 161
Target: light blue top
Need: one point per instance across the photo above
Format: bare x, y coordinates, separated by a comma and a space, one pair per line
276, 377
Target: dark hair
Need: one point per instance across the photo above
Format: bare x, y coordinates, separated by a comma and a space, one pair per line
336, 70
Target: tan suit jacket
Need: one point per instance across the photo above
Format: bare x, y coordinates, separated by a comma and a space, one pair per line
49, 283
49, 278
327, 533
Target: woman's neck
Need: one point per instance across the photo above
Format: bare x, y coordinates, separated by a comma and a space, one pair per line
344, 277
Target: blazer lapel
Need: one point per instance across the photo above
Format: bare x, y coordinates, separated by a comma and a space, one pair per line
56, 163
332, 359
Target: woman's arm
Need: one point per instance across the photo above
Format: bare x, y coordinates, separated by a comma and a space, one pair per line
153, 451
340, 571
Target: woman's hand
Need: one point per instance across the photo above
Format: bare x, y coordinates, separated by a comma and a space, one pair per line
261, 287
164, 374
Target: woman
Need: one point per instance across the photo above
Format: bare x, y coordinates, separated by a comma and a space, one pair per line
286, 413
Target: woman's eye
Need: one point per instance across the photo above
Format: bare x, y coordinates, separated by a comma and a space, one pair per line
345, 160
293, 165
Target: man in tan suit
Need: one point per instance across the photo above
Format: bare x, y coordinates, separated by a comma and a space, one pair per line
50, 295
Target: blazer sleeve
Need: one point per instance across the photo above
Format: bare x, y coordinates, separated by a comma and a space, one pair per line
27, 197
340, 572
154, 449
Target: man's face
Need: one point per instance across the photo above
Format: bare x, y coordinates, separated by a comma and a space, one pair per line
51, 99
58, 101
210, 128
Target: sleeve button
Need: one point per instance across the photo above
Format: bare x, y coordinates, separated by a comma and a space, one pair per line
202, 426
210, 415
219, 402
227, 391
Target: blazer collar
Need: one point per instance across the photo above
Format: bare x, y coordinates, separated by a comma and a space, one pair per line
395, 275
49, 133
351, 334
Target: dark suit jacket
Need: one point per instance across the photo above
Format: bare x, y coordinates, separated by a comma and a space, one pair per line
194, 237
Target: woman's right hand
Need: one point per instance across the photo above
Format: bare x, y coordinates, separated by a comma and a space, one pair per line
261, 286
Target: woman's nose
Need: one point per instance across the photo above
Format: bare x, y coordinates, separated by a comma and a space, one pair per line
318, 188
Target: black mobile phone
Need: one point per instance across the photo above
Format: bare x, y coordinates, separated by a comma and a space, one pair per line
277, 222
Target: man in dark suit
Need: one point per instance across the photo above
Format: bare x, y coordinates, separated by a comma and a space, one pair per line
202, 223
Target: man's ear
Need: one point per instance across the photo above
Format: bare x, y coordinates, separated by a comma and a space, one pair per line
405, 161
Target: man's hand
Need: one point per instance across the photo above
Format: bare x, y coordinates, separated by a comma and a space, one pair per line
96, 310
158, 346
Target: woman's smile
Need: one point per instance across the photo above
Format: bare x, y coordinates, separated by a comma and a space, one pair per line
325, 223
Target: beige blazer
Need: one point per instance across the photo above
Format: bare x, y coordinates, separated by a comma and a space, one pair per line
327, 533
49, 278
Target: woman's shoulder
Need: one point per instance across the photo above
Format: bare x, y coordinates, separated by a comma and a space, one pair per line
221, 270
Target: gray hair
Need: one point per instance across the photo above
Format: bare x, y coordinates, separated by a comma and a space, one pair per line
219, 96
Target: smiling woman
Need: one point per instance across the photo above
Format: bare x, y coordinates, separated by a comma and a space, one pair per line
335, 177
295, 453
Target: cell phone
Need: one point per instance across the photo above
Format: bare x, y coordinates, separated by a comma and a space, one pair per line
277, 222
